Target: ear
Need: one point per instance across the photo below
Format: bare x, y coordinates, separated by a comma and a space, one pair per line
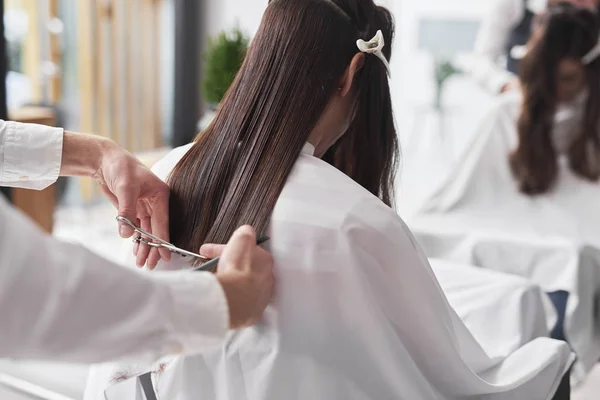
358, 61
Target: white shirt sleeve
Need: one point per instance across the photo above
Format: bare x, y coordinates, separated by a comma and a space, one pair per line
30, 155
61, 302
491, 42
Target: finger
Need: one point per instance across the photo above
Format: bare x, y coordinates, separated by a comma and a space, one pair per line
212, 250
127, 197
143, 249
262, 268
153, 255
136, 245
239, 250
262, 259
125, 230
136, 248
159, 220
153, 258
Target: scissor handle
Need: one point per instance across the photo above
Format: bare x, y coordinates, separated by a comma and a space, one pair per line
161, 243
143, 232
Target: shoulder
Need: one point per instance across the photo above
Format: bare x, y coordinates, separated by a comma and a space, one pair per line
319, 184
373, 223
163, 167
336, 201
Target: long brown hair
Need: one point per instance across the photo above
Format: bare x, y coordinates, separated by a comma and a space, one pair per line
567, 32
236, 169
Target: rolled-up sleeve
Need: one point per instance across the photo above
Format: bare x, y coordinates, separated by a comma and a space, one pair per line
200, 313
30, 155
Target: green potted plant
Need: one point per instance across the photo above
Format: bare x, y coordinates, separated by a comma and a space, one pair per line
223, 59
444, 70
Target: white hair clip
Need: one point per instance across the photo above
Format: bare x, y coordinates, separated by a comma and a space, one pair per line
374, 47
518, 52
592, 55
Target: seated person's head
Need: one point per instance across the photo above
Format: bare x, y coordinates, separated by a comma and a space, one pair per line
556, 70
303, 79
564, 35
589, 4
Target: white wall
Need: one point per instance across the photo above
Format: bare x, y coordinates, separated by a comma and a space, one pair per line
227, 14
413, 86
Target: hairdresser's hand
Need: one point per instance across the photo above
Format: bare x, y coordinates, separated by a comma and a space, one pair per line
139, 195
246, 273
514, 84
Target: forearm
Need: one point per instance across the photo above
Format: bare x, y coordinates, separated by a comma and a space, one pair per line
60, 301
82, 153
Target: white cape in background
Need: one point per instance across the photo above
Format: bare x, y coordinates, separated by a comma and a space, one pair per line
358, 314
479, 217
502, 311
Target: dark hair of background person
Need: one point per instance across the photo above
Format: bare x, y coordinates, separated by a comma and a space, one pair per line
567, 32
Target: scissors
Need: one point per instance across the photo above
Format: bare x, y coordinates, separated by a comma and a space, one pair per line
208, 263
158, 242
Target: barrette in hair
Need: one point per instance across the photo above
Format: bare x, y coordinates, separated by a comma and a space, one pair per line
374, 46
592, 55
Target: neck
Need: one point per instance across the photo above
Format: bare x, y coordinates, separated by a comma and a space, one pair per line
323, 136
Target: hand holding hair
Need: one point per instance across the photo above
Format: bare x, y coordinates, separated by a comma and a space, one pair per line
245, 272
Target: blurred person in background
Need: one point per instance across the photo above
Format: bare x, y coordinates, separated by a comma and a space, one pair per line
502, 37
533, 167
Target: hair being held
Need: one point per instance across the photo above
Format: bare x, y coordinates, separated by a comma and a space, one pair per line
236, 169
566, 33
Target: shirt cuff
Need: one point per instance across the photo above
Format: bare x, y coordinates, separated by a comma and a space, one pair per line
32, 155
200, 313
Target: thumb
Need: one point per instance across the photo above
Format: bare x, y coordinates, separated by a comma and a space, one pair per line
238, 252
212, 250
127, 201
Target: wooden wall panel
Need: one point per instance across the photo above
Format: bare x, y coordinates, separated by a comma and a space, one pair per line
119, 67
55, 57
120, 72
88, 71
156, 75
32, 50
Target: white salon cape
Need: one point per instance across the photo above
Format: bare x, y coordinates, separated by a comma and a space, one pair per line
478, 216
358, 314
61, 302
502, 311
